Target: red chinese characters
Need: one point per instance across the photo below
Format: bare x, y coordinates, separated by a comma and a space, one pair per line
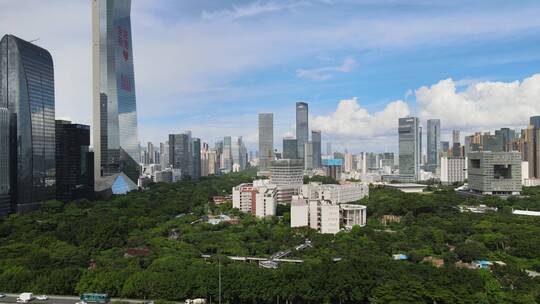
123, 42
125, 83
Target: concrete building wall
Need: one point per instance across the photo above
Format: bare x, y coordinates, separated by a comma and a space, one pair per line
495, 172
329, 218
453, 169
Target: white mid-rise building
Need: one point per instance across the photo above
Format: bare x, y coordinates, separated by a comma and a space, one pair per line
324, 216
259, 199
265, 201
453, 169
242, 197
337, 194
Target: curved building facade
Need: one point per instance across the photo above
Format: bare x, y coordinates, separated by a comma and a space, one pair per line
27, 92
116, 140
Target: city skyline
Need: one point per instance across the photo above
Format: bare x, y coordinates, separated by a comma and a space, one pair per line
326, 77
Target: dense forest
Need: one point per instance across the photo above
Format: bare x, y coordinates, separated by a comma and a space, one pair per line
70, 248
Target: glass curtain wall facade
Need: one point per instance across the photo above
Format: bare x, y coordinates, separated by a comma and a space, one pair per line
5, 204
409, 147
433, 144
196, 158
74, 161
302, 128
180, 153
316, 140
266, 140
27, 92
116, 141
290, 148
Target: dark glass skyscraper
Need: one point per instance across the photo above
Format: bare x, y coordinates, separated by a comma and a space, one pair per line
266, 140
74, 161
433, 144
27, 92
290, 148
316, 140
409, 147
196, 158
5, 204
302, 128
116, 141
180, 154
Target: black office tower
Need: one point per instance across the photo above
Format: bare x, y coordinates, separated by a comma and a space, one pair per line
27, 97
74, 161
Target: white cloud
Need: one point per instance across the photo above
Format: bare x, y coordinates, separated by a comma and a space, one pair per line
328, 72
249, 10
482, 104
353, 121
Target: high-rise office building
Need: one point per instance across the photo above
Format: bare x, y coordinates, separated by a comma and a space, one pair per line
290, 148
445, 146
151, 153
116, 140
164, 155
302, 128
227, 160
328, 148
455, 137
180, 153
196, 158
5, 203
308, 155
27, 92
316, 140
506, 136
74, 161
433, 144
266, 140
532, 134
409, 147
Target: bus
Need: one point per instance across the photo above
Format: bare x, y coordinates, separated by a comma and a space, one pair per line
95, 298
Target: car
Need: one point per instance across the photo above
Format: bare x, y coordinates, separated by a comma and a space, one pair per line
42, 298
2, 295
81, 302
21, 301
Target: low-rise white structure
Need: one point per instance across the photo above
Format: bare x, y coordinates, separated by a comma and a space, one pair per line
407, 187
324, 216
352, 215
337, 194
526, 212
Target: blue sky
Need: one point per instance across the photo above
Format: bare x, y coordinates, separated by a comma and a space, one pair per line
211, 66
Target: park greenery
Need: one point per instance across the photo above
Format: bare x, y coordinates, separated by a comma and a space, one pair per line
76, 247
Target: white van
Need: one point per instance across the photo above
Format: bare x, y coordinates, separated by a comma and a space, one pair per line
25, 297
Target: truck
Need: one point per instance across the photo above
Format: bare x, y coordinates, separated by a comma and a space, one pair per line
195, 301
25, 297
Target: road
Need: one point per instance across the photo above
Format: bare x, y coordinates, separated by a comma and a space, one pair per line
11, 298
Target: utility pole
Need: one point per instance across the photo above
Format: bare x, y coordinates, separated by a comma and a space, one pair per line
219, 278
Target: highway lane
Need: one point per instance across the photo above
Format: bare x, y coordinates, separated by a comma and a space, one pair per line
12, 299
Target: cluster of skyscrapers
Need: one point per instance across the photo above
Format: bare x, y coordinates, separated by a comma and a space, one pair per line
300, 148
42, 158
